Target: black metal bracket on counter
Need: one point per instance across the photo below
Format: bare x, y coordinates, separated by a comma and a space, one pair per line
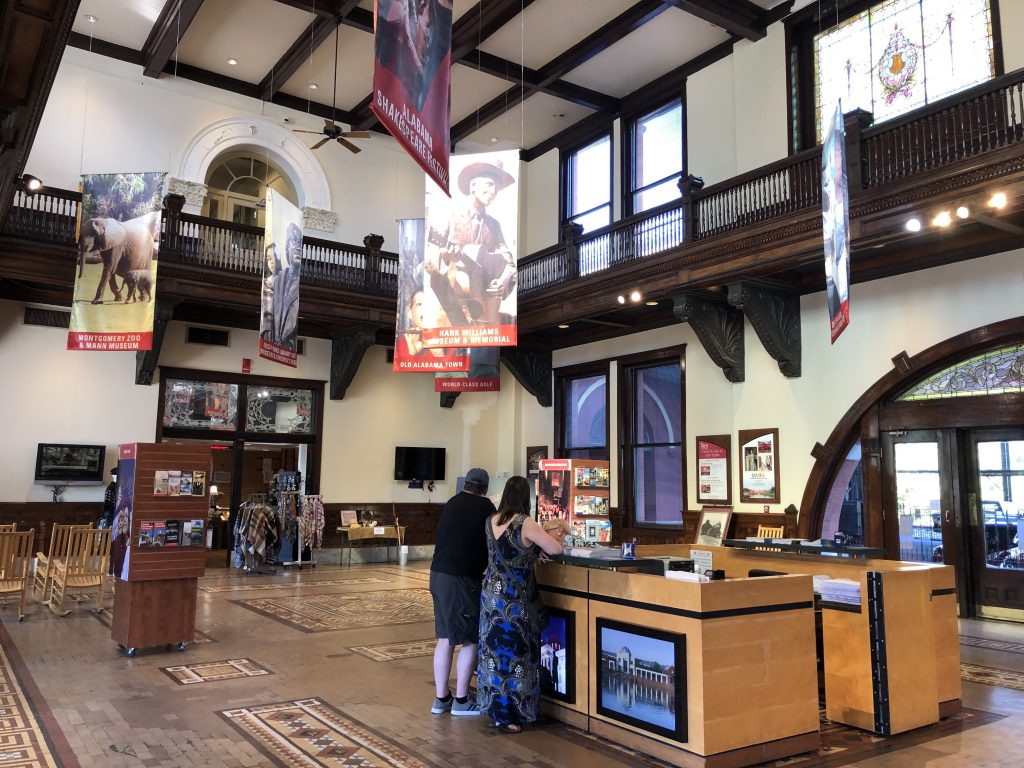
638, 565
803, 548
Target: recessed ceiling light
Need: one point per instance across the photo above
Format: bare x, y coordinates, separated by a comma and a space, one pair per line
651, 303
563, 325
621, 299
313, 86
998, 200
493, 139
90, 18
943, 219
914, 225
963, 212
558, 114
635, 296
232, 62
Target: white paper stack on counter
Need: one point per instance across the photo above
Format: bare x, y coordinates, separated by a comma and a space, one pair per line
598, 553
686, 576
841, 591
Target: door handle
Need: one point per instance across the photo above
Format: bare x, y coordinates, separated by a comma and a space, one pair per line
949, 516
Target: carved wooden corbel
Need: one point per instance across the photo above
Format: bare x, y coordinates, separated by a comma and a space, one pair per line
774, 312
347, 350
719, 329
448, 399
532, 369
146, 360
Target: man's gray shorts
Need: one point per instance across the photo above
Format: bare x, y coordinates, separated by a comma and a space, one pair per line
456, 608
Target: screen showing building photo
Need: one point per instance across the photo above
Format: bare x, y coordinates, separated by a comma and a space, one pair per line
558, 655
637, 677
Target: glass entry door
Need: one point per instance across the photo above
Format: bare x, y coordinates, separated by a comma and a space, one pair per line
995, 504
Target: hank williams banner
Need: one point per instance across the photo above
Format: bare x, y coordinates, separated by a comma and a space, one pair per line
835, 213
282, 273
470, 265
118, 241
415, 312
412, 79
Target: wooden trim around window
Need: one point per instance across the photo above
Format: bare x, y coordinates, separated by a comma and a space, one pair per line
569, 372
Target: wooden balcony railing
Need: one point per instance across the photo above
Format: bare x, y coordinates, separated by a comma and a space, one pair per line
963, 126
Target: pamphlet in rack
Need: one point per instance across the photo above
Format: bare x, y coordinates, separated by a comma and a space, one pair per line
577, 491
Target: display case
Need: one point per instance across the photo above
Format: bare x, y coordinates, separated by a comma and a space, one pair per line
576, 490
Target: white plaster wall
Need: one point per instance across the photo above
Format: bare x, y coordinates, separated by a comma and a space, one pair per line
1011, 20
711, 123
760, 96
540, 202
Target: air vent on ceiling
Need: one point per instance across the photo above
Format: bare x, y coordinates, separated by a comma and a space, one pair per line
50, 318
391, 355
213, 337
300, 346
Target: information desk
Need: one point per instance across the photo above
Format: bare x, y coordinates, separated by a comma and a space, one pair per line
718, 674
804, 548
891, 662
631, 565
385, 533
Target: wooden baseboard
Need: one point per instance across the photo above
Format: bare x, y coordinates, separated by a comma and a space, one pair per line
950, 708
564, 714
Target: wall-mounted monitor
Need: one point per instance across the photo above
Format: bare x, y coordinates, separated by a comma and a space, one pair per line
419, 463
67, 464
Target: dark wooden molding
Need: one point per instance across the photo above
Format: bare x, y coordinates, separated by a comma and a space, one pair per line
774, 312
318, 31
146, 361
718, 327
347, 350
819, 451
737, 17
532, 369
448, 399
166, 34
901, 362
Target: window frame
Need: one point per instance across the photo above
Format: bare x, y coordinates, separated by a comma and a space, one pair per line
629, 148
565, 375
801, 28
626, 425
565, 175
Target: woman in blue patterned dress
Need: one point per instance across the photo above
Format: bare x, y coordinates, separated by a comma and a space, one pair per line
508, 668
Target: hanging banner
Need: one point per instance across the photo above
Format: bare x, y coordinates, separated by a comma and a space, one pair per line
118, 243
412, 79
835, 214
414, 312
282, 275
470, 265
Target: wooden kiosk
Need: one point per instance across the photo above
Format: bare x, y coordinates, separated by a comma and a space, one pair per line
156, 589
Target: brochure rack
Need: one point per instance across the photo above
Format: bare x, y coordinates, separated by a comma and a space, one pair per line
157, 586
576, 490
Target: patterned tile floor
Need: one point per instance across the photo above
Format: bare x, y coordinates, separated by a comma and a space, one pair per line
356, 693
212, 671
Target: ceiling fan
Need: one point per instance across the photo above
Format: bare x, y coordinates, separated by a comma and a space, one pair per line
331, 130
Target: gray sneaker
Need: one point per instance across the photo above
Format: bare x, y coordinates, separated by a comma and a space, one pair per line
440, 707
469, 709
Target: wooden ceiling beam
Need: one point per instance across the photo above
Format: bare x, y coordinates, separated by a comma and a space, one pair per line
481, 22
528, 78
737, 17
170, 27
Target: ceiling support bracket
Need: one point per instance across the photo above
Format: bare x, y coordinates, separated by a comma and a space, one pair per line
718, 326
347, 350
448, 399
146, 360
532, 370
773, 310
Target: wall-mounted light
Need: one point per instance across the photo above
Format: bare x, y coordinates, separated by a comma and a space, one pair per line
651, 303
913, 225
998, 200
963, 212
942, 219
635, 296
28, 182
563, 326
621, 299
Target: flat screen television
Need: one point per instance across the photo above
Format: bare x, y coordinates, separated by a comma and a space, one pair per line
67, 464
419, 463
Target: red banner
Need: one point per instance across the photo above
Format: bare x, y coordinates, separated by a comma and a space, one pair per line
412, 79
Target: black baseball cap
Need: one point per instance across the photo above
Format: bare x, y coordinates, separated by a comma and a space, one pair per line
478, 478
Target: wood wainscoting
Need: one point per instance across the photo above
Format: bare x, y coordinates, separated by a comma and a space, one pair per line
41, 515
420, 520
741, 525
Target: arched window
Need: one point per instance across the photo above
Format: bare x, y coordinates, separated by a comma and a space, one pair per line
237, 185
993, 373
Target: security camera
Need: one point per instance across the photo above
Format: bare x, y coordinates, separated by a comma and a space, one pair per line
287, 119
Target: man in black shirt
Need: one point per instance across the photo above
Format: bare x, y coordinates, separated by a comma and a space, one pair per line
456, 574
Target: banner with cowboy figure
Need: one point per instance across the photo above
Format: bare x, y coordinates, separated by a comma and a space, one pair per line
412, 79
118, 242
282, 276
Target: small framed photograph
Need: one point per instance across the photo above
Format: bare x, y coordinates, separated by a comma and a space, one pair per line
534, 456
713, 526
759, 465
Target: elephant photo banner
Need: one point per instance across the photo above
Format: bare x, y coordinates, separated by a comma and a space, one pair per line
282, 276
412, 79
120, 217
835, 216
414, 313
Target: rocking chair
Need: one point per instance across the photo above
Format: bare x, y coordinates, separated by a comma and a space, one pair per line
15, 565
82, 570
59, 534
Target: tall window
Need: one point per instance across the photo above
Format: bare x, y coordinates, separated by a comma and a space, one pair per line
581, 405
657, 156
588, 185
899, 55
652, 429
237, 188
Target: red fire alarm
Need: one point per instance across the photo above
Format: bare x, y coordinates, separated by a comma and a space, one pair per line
246, 365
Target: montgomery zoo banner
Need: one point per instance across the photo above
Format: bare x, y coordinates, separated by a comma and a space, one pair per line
118, 244
470, 265
282, 276
412, 79
414, 312
835, 216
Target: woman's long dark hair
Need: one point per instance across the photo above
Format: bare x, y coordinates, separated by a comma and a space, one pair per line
515, 499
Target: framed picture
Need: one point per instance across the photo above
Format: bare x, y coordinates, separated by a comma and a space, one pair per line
534, 456
641, 677
348, 516
558, 655
714, 473
221, 477
759, 465
713, 526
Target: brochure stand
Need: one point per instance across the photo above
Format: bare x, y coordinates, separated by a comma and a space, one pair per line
577, 491
156, 590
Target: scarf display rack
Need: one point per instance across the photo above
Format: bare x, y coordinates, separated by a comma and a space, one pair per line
257, 535
309, 512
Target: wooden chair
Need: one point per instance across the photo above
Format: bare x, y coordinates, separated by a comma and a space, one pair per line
8, 527
15, 565
84, 569
59, 534
770, 532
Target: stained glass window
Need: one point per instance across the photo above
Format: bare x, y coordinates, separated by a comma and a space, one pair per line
902, 54
992, 373
275, 409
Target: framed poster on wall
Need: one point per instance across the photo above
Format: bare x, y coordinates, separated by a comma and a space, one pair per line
535, 454
759, 465
714, 474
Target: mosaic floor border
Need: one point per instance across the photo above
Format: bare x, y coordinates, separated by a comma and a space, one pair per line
1003, 678
261, 586
406, 649
338, 611
214, 671
991, 645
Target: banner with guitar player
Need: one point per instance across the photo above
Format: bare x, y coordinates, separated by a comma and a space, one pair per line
471, 252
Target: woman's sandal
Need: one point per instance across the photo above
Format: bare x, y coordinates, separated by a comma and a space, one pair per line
507, 727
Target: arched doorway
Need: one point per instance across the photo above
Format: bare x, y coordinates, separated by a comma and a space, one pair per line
237, 184
929, 464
